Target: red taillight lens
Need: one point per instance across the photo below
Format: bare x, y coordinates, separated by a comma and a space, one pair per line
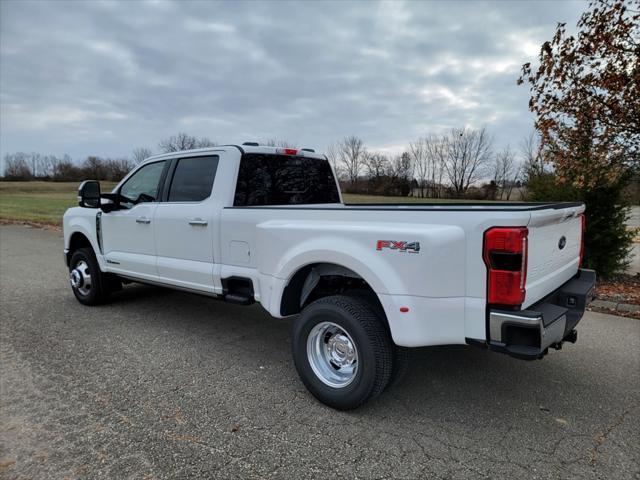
583, 220
288, 151
505, 254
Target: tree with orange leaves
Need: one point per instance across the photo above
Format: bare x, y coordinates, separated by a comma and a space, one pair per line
585, 94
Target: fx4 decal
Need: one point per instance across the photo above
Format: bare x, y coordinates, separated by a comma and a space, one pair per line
401, 246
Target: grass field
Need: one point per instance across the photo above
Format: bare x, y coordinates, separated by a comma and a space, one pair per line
45, 202
39, 202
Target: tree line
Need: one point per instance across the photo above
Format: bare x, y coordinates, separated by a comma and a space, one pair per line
460, 163
436, 166
34, 166
22, 166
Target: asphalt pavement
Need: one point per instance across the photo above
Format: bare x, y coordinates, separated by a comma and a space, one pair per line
160, 384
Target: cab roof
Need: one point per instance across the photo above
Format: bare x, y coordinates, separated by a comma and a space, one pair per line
243, 149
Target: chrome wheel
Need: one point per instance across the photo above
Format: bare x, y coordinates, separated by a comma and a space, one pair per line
332, 354
80, 278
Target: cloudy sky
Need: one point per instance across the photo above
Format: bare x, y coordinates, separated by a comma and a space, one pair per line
105, 77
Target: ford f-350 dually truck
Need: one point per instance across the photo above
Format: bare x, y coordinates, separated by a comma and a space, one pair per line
365, 282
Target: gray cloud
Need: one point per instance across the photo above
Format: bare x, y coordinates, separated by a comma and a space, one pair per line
105, 77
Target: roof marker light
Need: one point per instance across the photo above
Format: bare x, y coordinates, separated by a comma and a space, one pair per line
287, 151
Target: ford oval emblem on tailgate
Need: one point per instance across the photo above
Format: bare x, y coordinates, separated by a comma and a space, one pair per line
562, 242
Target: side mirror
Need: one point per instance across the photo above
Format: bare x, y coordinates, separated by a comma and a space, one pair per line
89, 194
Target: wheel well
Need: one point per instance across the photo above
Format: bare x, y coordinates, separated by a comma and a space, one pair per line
320, 280
78, 240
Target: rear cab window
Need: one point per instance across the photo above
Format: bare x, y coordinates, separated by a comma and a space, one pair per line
192, 179
270, 179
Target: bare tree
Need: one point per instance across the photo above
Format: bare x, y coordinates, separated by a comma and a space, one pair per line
139, 154
66, 171
352, 154
505, 172
421, 162
428, 157
182, 141
94, 168
531, 151
333, 155
376, 164
117, 169
38, 165
34, 160
437, 157
48, 165
16, 167
516, 176
400, 173
275, 142
468, 152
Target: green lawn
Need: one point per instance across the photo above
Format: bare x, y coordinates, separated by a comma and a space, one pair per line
39, 202
45, 202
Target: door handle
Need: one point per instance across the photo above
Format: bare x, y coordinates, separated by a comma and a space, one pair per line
143, 220
198, 222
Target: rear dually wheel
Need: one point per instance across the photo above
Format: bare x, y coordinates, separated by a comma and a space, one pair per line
342, 351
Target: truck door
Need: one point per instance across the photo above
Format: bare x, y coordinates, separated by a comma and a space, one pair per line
128, 233
186, 223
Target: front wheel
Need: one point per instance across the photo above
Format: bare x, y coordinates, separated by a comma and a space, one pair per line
87, 281
342, 351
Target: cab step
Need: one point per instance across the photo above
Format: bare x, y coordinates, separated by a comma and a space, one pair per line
238, 299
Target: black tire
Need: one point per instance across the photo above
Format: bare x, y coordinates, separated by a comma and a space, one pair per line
401, 355
373, 344
401, 361
97, 293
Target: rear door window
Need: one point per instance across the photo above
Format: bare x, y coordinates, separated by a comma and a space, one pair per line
265, 179
193, 179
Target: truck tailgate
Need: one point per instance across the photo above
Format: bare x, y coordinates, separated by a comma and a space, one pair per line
555, 237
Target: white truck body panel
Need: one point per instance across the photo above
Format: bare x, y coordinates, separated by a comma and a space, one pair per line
443, 286
548, 266
129, 245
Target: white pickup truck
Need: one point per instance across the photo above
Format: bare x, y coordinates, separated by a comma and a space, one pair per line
260, 224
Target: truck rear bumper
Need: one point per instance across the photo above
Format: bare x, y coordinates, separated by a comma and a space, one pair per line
529, 333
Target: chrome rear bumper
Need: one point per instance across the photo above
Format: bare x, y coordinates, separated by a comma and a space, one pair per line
529, 333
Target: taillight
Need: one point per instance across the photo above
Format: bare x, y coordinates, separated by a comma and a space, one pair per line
505, 254
583, 221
